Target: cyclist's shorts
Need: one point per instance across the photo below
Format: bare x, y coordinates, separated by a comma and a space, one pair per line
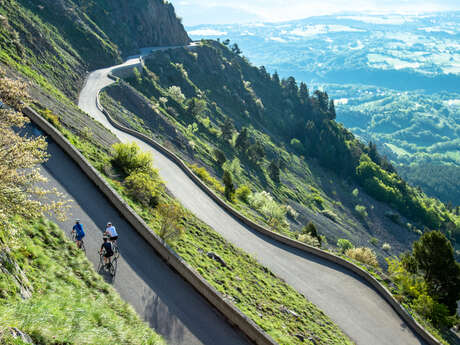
113, 238
108, 255
79, 238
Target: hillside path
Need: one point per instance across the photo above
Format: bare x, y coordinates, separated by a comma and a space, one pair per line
349, 301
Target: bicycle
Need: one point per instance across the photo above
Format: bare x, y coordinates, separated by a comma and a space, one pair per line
111, 267
74, 239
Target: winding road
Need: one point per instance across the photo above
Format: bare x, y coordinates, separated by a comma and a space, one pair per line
349, 301
161, 297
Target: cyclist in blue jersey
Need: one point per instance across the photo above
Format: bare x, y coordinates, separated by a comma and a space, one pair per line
79, 232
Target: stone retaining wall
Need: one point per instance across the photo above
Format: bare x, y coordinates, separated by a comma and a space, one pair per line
229, 311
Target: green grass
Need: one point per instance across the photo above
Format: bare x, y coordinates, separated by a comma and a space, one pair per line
256, 291
70, 303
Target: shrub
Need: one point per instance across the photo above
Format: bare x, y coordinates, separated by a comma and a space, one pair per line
243, 193
430, 309
219, 155
297, 145
310, 240
310, 229
176, 93
364, 255
204, 175
344, 244
395, 218
143, 187
386, 247
361, 210
129, 158
264, 203
355, 192
170, 222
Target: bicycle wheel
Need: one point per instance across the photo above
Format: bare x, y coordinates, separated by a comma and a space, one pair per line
101, 263
82, 246
113, 267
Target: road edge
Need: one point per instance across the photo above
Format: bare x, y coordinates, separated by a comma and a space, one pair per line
215, 298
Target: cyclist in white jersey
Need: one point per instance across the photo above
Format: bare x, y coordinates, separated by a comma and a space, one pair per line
111, 232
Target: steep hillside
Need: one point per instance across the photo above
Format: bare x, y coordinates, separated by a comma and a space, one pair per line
274, 136
50, 291
395, 78
63, 39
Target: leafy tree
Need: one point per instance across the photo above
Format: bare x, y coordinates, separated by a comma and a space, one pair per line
229, 186
176, 93
220, 156
227, 129
20, 194
434, 255
171, 227
274, 171
226, 42
129, 158
242, 141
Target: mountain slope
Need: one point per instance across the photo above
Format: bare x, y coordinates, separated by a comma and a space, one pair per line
395, 79
199, 90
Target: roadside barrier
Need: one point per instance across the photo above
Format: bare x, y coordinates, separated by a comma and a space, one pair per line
229, 311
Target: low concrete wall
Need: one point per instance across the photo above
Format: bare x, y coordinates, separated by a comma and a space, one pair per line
382, 290
230, 312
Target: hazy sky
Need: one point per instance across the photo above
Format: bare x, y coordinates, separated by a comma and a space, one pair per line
240, 11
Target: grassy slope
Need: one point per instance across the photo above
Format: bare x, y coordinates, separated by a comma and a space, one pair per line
251, 287
70, 303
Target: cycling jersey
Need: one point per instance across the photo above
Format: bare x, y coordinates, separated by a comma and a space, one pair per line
107, 247
79, 232
111, 231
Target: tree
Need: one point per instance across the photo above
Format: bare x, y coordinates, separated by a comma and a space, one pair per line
310, 229
332, 114
229, 186
170, 222
220, 156
196, 106
129, 158
20, 194
236, 49
256, 152
274, 171
242, 141
434, 255
226, 42
227, 129
276, 78
176, 93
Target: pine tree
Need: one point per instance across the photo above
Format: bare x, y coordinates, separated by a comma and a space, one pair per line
332, 114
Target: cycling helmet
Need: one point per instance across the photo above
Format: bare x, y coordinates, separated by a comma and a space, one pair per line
77, 220
109, 223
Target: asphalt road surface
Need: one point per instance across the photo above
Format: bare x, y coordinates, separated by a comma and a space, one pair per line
161, 297
356, 307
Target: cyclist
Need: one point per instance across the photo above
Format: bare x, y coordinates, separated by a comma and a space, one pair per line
107, 251
111, 232
79, 232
